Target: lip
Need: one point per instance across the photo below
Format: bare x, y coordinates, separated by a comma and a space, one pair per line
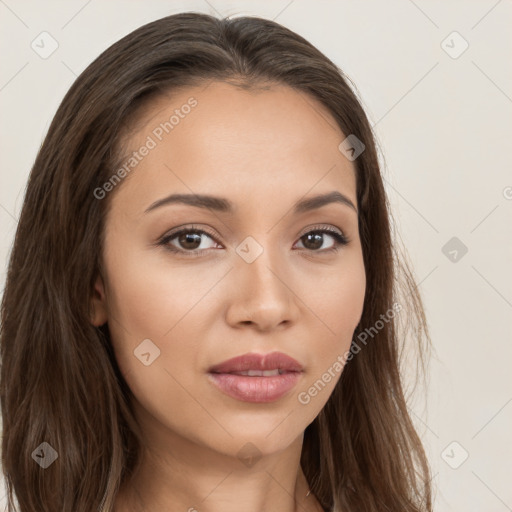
262, 362
256, 389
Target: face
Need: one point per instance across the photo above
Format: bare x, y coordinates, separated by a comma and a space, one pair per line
187, 287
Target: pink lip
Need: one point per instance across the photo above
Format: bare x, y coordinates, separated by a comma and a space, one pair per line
253, 361
255, 389
258, 388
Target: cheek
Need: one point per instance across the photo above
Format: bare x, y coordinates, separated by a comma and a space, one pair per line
344, 304
165, 304
149, 299
337, 298
156, 334
142, 303
336, 308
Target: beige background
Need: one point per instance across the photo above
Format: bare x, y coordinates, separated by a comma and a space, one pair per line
444, 122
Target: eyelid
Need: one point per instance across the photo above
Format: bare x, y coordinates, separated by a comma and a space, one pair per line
339, 235
305, 231
321, 227
187, 227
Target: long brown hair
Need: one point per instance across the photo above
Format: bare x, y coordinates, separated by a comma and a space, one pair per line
60, 383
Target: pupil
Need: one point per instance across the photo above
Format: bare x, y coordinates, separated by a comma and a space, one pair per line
188, 238
317, 240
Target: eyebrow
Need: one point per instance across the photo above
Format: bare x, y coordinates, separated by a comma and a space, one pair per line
223, 205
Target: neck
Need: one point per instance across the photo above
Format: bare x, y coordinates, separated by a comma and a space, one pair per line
176, 474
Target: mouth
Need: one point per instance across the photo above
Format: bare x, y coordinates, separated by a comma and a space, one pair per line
257, 378
259, 373
256, 388
252, 362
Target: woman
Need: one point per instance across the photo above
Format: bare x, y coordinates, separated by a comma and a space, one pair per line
202, 302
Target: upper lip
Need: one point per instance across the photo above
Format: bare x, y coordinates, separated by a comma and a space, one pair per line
262, 362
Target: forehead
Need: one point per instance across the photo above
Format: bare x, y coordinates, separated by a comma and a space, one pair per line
218, 137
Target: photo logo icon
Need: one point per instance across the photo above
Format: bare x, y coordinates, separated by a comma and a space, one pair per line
454, 249
45, 455
147, 352
351, 147
454, 45
44, 45
454, 455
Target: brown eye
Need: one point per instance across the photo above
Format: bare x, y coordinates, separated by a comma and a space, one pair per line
313, 240
186, 241
189, 240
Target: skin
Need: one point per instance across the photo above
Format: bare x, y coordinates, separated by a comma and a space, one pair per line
263, 150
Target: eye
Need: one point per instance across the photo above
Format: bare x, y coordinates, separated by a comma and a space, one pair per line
189, 242
314, 239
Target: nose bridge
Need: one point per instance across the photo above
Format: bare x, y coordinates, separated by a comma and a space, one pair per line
260, 265
262, 296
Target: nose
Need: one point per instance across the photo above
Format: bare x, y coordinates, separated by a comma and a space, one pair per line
263, 295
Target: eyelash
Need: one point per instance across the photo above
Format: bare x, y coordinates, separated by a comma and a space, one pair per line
340, 239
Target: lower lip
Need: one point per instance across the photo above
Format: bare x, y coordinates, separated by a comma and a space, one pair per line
255, 389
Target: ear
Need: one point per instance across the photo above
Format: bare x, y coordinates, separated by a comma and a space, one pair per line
99, 303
